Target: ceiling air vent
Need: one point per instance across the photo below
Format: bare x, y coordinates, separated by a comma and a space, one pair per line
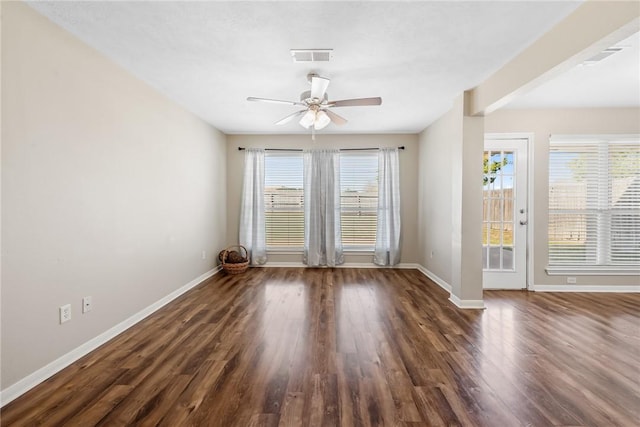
311, 55
602, 55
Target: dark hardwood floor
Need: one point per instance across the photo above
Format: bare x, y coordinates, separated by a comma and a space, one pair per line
355, 347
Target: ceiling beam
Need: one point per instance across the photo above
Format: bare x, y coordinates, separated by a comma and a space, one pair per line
591, 28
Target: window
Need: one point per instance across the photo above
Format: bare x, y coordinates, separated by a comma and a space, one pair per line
284, 201
499, 200
359, 199
594, 203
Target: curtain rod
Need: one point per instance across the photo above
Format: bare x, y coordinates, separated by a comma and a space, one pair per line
300, 149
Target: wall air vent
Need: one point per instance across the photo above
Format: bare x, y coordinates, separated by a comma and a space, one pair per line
311, 55
602, 55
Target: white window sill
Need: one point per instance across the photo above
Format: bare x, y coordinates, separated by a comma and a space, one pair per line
288, 251
299, 251
593, 270
358, 251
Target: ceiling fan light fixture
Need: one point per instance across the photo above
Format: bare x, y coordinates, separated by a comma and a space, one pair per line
322, 120
308, 119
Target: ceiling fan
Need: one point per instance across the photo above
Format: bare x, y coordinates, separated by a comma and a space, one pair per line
316, 113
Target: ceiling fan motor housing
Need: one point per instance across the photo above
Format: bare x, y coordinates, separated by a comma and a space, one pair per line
306, 98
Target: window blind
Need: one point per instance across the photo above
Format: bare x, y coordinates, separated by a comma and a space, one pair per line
284, 201
594, 202
359, 199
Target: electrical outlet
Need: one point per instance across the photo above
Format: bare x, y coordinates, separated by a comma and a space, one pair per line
87, 304
204, 254
571, 280
65, 313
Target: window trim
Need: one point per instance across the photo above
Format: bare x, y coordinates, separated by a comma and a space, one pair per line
591, 269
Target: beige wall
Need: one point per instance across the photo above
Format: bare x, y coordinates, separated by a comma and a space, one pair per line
449, 202
434, 193
109, 190
469, 257
408, 181
543, 123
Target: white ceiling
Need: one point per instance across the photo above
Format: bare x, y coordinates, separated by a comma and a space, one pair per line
612, 82
209, 56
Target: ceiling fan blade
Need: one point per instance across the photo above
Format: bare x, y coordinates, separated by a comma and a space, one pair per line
290, 117
336, 119
319, 86
359, 102
274, 101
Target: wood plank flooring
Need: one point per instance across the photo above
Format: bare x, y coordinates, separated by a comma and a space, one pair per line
354, 347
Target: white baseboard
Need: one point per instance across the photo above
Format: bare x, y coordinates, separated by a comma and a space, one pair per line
437, 280
467, 303
504, 288
27, 383
586, 288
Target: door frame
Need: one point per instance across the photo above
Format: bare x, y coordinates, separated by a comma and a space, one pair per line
529, 244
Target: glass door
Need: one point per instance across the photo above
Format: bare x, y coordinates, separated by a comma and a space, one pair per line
504, 222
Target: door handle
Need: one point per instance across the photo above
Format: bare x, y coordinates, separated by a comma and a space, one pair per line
523, 222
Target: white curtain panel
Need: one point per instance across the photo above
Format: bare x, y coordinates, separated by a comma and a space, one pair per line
252, 227
322, 234
387, 250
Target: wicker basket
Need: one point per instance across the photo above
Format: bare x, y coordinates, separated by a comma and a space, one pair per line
235, 268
